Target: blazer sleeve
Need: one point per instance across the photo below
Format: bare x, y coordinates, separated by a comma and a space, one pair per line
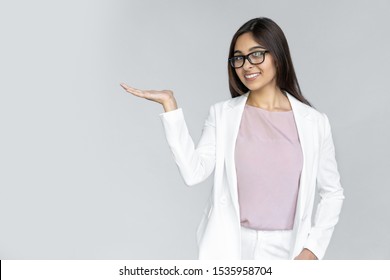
331, 196
195, 164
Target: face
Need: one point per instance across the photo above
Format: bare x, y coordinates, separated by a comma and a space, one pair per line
266, 71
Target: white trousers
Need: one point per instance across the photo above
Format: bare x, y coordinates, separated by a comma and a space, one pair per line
265, 245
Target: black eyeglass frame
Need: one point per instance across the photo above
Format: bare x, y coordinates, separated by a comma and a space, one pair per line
231, 62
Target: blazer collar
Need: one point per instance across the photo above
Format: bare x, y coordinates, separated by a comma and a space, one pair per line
297, 106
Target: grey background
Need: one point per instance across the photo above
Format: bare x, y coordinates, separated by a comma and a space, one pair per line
86, 172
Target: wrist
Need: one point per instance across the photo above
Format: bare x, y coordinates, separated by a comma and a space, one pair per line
170, 105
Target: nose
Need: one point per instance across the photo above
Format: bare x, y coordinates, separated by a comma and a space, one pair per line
247, 64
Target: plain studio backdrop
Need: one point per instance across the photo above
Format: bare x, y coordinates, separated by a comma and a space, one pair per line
86, 172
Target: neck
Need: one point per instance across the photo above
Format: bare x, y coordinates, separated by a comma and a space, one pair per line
270, 98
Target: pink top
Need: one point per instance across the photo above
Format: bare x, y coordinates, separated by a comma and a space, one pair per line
269, 161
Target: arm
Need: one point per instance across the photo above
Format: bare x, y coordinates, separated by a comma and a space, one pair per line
331, 197
195, 164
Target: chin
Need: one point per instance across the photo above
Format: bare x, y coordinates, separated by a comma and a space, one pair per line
254, 87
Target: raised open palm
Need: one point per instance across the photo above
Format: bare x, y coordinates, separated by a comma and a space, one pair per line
160, 96
164, 97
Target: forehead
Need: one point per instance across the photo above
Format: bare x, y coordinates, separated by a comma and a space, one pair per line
245, 42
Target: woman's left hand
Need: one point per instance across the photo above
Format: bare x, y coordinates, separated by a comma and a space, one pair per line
306, 254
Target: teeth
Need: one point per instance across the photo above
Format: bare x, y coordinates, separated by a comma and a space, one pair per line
252, 75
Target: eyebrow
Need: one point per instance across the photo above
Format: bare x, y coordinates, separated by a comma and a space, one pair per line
252, 48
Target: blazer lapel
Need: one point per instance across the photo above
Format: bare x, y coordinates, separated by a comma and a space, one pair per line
231, 123
306, 132
232, 120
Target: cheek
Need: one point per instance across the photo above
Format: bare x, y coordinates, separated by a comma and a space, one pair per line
272, 69
240, 73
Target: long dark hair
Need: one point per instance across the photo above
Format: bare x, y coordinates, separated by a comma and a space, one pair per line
267, 33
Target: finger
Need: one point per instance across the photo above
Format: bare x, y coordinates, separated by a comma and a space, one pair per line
123, 85
134, 91
126, 86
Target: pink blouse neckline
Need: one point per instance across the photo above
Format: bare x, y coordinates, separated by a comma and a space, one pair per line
261, 109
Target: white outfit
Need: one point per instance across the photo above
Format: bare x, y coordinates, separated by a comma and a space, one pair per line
265, 244
219, 232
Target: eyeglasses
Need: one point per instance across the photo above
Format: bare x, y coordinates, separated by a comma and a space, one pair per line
254, 58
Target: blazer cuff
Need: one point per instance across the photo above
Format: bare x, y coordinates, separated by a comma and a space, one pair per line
172, 113
316, 247
174, 125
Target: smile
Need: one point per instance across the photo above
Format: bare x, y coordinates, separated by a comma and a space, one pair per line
251, 77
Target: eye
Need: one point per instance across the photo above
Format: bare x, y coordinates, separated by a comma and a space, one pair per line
259, 53
237, 58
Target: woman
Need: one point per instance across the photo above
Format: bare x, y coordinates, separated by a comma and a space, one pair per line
269, 148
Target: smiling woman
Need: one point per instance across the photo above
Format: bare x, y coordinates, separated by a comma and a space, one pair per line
269, 149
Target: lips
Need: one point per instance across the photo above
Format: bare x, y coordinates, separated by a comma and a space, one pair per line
252, 76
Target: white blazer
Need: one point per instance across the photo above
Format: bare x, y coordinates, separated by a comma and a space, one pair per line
219, 232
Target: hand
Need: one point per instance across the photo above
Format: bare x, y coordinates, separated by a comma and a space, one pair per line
306, 254
164, 97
